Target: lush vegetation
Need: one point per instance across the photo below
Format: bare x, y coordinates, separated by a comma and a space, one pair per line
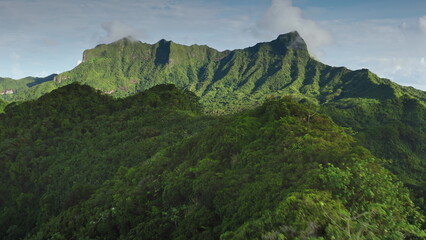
77, 164
26, 88
394, 129
227, 81
2, 105
44, 143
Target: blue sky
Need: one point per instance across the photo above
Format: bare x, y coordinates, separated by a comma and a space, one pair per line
40, 37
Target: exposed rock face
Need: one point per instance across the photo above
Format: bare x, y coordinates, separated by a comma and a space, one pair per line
7, 91
59, 78
293, 41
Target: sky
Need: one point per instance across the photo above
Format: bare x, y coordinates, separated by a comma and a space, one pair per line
41, 37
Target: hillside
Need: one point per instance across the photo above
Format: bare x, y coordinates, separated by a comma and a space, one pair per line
226, 81
25, 88
78, 164
231, 80
2, 105
387, 118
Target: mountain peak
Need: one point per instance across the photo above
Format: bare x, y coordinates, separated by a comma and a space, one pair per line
292, 40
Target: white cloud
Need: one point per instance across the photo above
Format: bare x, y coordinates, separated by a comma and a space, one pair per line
391, 48
117, 30
422, 23
283, 17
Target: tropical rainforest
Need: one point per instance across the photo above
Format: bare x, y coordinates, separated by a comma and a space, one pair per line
167, 141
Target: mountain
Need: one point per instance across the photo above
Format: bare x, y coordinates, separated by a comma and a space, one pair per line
230, 80
78, 164
226, 81
25, 88
388, 118
385, 117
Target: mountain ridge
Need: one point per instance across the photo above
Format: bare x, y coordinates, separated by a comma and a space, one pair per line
231, 81
280, 67
386, 118
249, 74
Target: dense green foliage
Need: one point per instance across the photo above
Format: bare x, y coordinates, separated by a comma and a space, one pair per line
225, 81
76, 164
57, 150
394, 129
26, 88
386, 118
2, 105
231, 80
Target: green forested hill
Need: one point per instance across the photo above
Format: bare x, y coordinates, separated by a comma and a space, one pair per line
231, 80
225, 81
394, 129
25, 88
2, 105
386, 118
389, 118
76, 164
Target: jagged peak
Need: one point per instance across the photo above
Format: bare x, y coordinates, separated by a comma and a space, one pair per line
292, 40
283, 43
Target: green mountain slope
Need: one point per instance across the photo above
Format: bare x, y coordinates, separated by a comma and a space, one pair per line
241, 79
76, 164
2, 105
230, 80
226, 81
388, 118
26, 88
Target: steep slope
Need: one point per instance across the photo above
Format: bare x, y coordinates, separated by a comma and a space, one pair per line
76, 164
